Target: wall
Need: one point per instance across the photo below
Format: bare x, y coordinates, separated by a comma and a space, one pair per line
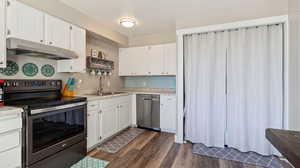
150, 82
294, 65
90, 83
152, 39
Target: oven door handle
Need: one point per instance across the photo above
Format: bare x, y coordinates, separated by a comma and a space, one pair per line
44, 110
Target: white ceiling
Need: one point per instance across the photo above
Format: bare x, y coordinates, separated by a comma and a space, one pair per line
162, 16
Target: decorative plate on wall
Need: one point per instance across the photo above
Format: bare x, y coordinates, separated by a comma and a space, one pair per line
30, 69
12, 68
48, 70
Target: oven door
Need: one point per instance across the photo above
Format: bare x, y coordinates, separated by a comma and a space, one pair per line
54, 129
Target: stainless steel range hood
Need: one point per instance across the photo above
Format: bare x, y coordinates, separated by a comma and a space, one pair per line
24, 47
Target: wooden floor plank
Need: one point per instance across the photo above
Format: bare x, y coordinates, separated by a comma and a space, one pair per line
169, 159
157, 150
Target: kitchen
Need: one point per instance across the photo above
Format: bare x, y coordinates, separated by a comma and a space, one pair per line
36, 67
82, 87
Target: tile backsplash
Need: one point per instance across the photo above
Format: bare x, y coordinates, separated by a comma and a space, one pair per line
150, 82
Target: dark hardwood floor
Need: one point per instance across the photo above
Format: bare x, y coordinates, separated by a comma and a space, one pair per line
158, 150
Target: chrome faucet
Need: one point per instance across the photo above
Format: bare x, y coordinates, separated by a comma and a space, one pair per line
100, 89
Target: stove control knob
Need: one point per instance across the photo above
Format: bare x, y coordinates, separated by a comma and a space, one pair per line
52, 83
15, 84
58, 83
7, 84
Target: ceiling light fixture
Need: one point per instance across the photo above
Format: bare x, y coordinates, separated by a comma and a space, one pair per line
127, 22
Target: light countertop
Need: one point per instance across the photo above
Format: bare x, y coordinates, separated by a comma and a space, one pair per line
127, 91
8, 110
95, 97
149, 90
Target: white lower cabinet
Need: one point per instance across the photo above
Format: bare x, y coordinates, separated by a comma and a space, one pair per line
10, 141
106, 117
11, 158
124, 114
109, 116
93, 128
168, 113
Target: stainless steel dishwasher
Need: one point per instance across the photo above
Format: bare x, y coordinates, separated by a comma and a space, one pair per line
148, 111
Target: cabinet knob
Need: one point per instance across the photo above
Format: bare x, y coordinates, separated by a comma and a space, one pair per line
41, 41
50, 42
149, 72
1, 62
88, 115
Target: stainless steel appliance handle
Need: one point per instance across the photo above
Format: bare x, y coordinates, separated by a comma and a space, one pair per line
44, 110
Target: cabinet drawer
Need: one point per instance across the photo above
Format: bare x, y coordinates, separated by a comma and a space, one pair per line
9, 123
93, 105
10, 140
11, 158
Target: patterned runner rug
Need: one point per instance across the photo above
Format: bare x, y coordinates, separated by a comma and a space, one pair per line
116, 143
89, 162
251, 158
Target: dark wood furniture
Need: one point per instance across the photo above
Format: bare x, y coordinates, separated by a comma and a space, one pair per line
287, 143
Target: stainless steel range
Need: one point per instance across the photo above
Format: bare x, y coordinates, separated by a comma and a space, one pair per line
54, 127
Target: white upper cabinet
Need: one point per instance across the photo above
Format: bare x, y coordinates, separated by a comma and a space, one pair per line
155, 60
2, 34
138, 61
24, 22
170, 59
124, 62
132, 61
148, 61
58, 32
78, 45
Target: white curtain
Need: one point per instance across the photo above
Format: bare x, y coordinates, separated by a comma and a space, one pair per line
205, 99
255, 87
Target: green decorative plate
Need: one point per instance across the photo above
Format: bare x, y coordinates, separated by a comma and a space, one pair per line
12, 68
30, 69
48, 70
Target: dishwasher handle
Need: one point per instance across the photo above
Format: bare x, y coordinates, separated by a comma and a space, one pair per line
155, 99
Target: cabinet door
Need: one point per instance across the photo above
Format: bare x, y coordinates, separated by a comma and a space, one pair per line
78, 45
155, 60
124, 115
92, 128
3, 33
11, 158
168, 113
170, 59
133, 61
109, 122
25, 22
138, 64
58, 32
125, 62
